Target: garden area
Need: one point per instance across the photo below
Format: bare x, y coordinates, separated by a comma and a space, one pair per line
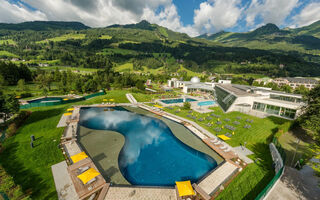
255, 132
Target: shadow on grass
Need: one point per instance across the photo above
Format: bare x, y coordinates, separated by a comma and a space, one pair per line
29, 181
43, 114
264, 161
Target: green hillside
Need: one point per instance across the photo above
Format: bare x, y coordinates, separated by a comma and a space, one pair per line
150, 48
269, 37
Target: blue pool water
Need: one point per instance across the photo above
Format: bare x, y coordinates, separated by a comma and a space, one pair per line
151, 155
206, 103
170, 101
42, 100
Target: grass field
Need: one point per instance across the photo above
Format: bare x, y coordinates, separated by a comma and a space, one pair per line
257, 175
65, 37
9, 42
105, 37
289, 142
31, 168
8, 54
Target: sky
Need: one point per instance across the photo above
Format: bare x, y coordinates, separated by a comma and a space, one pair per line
194, 17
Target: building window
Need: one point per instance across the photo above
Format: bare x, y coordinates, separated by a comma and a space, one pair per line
274, 110
258, 106
287, 112
224, 98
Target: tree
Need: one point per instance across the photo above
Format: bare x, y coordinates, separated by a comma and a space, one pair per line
286, 88
21, 85
301, 90
311, 117
186, 105
140, 85
8, 105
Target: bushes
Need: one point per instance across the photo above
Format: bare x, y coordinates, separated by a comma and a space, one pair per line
8, 186
283, 128
186, 105
17, 122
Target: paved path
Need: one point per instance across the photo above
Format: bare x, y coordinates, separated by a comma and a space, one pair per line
218, 177
243, 152
63, 182
131, 98
294, 185
63, 120
140, 193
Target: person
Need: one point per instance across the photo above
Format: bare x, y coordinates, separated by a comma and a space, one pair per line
241, 146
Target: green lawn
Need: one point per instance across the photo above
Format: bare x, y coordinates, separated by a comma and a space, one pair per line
8, 54
289, 143
249, 183
31, 168
65, 37
8, 41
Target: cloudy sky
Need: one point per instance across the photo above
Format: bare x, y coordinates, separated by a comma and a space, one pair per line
193, 17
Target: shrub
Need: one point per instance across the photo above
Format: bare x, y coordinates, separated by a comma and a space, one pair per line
186, 105
17, 122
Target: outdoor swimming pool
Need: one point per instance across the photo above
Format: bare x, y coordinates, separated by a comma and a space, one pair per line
206, 103
180, 100
151, 154
46, 99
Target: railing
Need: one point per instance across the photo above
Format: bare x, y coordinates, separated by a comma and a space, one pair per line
44, 104
266, 190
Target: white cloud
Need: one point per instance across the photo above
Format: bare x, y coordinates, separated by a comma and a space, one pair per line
271, 11
18, 13
216, 15
308, 15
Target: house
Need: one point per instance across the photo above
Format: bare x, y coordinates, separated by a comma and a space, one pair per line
296, 82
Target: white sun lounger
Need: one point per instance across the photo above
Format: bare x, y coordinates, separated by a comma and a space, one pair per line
223, 147
226, 150
214, 140
216, 143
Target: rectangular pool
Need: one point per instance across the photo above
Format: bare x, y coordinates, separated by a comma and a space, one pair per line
206, 103
180, 100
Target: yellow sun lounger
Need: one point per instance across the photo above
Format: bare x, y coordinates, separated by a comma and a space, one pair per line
88, 175
78, 157
185, 188
67, 114
223, 137
70, 109
158, 106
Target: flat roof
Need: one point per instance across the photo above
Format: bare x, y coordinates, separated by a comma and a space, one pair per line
234, 90
200, 86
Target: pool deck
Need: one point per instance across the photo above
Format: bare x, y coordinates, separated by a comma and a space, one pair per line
209, 185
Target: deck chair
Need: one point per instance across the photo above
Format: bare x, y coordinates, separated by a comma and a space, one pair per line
91, 181
82, 169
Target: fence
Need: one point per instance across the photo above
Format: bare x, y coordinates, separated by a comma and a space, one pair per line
265, 191
44, 104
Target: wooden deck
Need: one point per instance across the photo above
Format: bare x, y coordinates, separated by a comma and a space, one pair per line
226, 155
82, 190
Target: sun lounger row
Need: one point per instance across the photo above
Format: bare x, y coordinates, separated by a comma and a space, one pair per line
230, 127
248, 120
214, 115
247, 126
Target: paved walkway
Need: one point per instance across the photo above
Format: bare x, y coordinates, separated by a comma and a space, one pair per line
294, 185
63, 183
131, 98
218, 177
140, 193
243, 152
63, 121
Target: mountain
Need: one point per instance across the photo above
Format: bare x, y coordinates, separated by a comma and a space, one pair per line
43, 26
146, 47
270, 37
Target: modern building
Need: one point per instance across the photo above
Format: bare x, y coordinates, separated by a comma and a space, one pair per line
258, 101
192, 86
296, 82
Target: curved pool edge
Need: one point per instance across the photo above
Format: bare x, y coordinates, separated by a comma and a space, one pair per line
106, 156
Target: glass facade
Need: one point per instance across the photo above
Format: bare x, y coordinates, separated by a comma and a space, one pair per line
224, 98
285, 98
274, 110
259, 106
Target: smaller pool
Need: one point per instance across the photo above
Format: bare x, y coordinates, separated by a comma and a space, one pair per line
46, 99
206, 103
181, 100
